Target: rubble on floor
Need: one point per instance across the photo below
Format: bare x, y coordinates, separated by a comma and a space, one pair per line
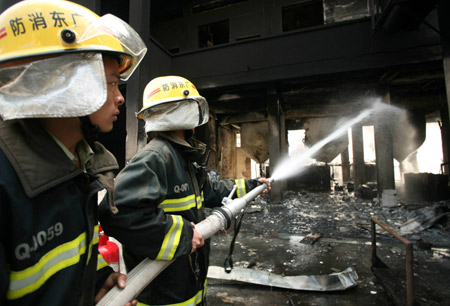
342, 214
312, 233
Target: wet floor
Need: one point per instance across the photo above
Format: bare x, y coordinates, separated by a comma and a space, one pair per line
272, 239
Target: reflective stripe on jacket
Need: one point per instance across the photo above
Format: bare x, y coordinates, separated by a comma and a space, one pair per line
48, 220
158, 196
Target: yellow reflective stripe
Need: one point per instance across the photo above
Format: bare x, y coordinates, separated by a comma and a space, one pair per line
195, 300
204, 288
101, 262
32, 278
241, 191
182, 204
171, 239
200, 200
172, 205
95, 236
93, 242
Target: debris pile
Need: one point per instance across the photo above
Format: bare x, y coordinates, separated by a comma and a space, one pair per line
340, 213
320, 233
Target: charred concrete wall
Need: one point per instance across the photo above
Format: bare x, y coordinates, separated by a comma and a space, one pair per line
227, 152
243, 165
254, 140
249, 19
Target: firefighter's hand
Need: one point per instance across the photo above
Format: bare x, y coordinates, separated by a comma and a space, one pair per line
197, 239
113, 279
266, 181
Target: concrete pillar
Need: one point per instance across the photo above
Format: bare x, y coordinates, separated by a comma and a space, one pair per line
227, 153
273, 118
359, 171
443, 9
345, 162
136, 138
243, 165
384, 154
445, 134
211, 142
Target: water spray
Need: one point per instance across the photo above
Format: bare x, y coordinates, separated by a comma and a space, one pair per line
288, 167
220, 219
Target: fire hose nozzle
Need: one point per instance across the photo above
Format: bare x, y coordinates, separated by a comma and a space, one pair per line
225, 215
229, 198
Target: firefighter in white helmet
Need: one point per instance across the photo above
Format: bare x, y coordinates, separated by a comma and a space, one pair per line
161, 193
60, 66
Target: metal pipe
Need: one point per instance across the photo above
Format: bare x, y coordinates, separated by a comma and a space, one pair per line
374, 244
409, 258
146, 271
410, 299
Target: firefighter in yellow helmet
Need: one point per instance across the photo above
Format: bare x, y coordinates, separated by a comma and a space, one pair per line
60, 65
161, 193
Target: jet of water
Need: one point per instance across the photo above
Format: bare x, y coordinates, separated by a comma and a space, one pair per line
288, 167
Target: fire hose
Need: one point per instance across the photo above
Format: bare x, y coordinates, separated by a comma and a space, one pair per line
146, 271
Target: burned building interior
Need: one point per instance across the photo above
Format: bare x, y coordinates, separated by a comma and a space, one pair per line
284, 74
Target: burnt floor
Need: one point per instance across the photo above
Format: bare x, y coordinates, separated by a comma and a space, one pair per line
271, 239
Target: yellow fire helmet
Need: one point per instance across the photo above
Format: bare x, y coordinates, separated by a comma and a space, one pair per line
172, 103
42, 28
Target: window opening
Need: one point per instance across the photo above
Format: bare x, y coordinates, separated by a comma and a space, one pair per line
213, 34
302, 15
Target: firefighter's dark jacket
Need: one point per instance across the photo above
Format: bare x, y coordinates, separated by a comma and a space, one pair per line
48, 219
158, 194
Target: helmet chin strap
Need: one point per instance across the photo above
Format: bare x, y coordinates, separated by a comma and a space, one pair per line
188, 134
90, 131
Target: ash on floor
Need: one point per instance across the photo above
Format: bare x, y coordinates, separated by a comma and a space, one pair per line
310, 233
